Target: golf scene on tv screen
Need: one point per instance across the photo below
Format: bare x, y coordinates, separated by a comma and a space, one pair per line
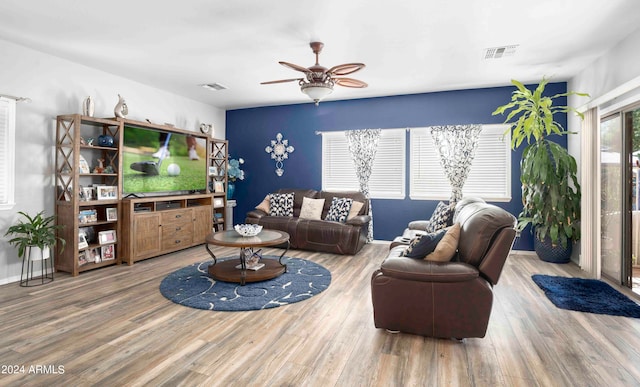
162, 162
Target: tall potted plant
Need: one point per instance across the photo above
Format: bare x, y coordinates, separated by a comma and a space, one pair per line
550, 187
36, 232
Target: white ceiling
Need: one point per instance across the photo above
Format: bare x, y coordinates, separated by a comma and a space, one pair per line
408, 46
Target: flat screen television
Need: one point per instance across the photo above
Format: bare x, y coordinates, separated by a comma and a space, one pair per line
157, 162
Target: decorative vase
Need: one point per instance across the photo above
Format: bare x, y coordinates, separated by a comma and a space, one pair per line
553, 254
231, 188
121, 109
105, 140
88, 107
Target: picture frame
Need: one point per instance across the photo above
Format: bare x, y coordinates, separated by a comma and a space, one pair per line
218, 186
82, 241
82, 258
88, 193
213, 171
218, 202
92, 255
107, 237
108, 252
83, 166
107, 192
89, 233
112, 214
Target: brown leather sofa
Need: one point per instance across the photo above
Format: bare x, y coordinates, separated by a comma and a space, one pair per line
319, 235
446, 299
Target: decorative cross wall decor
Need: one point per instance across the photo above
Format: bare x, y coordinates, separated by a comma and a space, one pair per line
279, 150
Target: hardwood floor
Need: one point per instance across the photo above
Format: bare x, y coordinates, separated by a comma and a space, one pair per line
113, 327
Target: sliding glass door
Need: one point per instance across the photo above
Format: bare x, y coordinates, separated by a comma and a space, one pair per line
611, 203
620, 196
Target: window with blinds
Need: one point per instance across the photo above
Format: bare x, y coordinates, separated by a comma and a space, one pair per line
7, 142
490, 175
387, 179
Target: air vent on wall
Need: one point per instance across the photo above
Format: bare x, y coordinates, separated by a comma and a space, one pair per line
500, 52
214, 86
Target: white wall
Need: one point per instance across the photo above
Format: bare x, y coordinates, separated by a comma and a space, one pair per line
617, 67
58, 86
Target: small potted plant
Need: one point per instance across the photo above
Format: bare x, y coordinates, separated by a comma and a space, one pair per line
36, 232
548, 173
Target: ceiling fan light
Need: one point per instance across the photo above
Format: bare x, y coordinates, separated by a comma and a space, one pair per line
316, 90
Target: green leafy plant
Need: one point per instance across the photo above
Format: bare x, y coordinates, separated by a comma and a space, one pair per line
550, 187
35, 231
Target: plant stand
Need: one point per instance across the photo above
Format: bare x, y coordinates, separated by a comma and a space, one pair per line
28, 263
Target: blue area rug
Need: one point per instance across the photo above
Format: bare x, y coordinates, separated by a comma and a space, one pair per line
586, 295
191, 286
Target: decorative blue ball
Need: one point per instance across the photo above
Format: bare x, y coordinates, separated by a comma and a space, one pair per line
105, 140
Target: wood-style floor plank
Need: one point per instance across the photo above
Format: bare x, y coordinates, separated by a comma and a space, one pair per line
112, 327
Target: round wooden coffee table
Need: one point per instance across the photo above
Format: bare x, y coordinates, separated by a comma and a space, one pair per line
232, 270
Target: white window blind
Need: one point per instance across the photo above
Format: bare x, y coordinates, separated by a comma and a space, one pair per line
490, 175
7, 157
387, 179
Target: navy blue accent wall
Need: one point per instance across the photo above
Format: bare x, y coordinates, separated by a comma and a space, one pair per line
249, 131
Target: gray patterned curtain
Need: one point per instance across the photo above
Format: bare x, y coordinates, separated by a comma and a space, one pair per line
363, 145
456, 145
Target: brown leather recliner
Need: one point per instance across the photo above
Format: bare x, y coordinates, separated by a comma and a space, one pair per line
446, 299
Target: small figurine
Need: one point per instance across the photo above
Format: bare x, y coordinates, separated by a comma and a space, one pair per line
100, 167
121, 109
90, 141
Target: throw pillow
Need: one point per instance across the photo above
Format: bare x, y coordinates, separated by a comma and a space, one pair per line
446, 248
264, 204
440, 217
422, 245
281, 204
355, 209
339, 209
311, 208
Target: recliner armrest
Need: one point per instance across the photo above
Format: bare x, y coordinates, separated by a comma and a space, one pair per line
359, 220
427, 271
256, 214
418, 225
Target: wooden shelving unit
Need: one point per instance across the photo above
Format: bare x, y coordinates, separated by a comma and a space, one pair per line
218, 161
74, 209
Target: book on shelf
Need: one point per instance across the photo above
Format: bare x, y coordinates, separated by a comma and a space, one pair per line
88, 216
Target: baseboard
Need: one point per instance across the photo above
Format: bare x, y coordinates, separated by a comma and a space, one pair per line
527, 253
9, 280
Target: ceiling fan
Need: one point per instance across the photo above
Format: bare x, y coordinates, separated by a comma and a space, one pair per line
319, 81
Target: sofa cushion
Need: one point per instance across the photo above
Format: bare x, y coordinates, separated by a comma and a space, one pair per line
311, 208
281, 204
440, 217
339, 210
356, 206
264, 204
446, 248
423, 244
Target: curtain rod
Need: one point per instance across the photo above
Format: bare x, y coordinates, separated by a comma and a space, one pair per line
17, 99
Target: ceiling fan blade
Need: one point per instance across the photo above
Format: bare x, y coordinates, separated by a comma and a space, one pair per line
295, 67
347, 68
281, 81
350, 82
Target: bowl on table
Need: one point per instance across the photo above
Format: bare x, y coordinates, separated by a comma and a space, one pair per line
248, 230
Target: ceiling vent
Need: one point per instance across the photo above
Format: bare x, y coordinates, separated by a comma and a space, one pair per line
214, 86
500, 52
